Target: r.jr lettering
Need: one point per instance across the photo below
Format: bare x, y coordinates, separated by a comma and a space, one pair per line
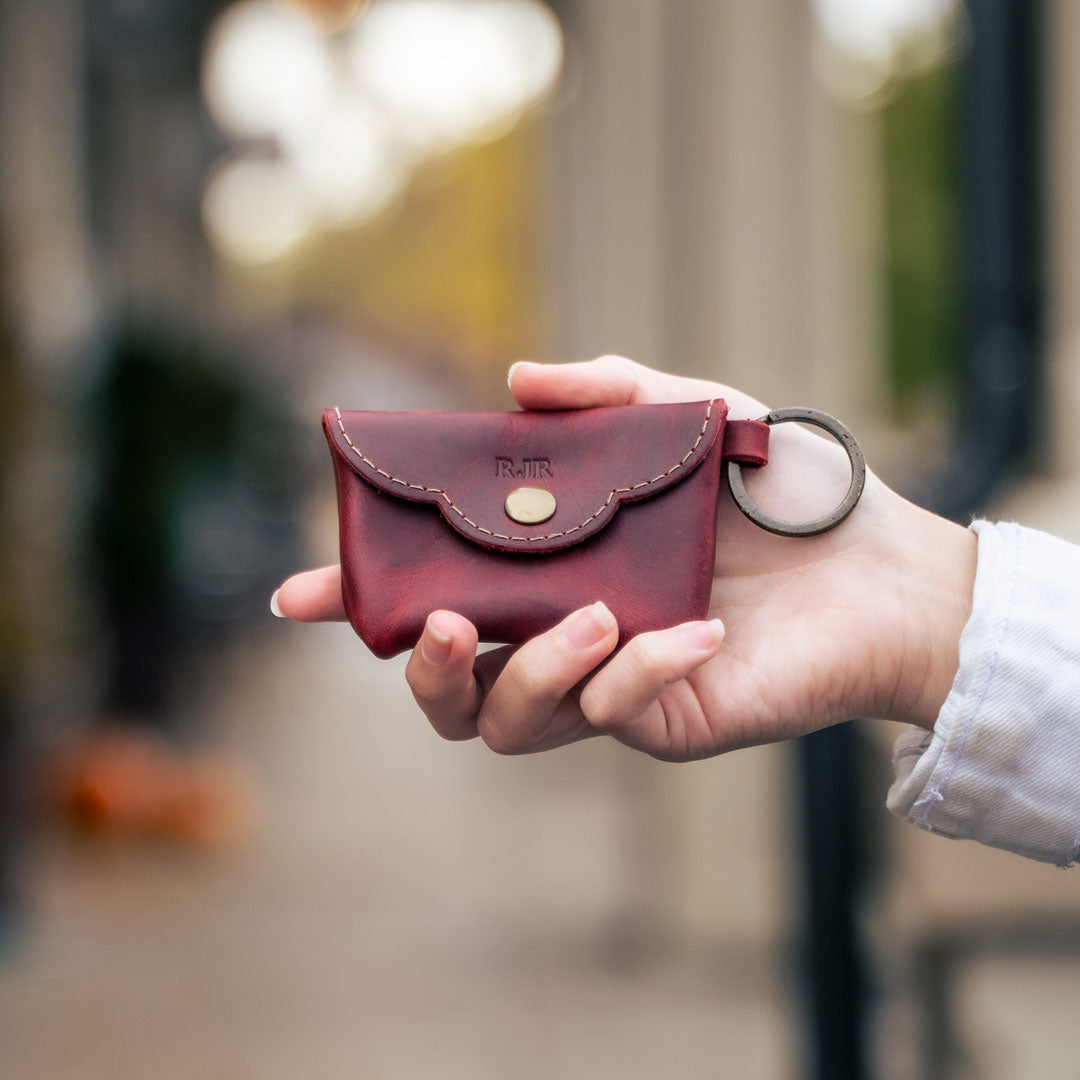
522, 468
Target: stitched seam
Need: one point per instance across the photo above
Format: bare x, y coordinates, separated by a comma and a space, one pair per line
528, 539
937, 794
914, 751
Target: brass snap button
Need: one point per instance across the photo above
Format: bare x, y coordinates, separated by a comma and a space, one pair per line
529, 505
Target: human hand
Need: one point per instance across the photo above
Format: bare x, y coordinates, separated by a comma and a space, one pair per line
802, 633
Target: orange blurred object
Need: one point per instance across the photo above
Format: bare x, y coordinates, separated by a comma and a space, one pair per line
124, 782
331, 16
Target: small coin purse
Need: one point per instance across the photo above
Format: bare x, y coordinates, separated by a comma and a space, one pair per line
516, 519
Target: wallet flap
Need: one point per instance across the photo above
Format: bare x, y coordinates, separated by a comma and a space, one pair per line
584, 463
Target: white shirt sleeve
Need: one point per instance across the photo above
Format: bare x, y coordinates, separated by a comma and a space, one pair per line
1003, 763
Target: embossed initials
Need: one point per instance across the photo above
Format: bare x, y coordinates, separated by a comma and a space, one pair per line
523, 468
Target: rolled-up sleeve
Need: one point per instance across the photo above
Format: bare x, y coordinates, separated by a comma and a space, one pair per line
1003, 763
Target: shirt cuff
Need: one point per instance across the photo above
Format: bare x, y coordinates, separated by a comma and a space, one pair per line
1002, 765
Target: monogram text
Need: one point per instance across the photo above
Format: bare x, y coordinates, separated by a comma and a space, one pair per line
523, 468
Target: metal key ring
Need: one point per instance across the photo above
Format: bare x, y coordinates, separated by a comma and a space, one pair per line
820, 524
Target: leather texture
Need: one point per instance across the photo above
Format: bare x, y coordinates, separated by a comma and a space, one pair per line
747, 442
423, 524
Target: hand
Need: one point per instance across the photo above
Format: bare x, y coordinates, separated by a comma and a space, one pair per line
802, 633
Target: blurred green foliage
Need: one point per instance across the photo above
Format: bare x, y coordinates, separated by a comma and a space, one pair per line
924, 232
455, 268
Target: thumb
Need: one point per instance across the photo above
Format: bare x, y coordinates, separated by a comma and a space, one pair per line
614, 380
607, 381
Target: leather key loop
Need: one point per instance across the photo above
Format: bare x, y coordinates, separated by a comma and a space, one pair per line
747, 442
819, 525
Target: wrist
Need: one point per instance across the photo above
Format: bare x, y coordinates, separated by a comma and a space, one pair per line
940, 567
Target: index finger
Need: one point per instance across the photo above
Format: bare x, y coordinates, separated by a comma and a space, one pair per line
312, 596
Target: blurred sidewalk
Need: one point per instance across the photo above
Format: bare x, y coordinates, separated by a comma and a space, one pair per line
410, 909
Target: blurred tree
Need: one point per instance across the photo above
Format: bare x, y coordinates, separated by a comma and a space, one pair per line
456, 268
187, 451
192, 520
924, 232
161, 414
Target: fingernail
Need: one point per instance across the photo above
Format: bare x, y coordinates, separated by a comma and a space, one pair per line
435, 645
703, 635
513, 367
587, 627
274, 609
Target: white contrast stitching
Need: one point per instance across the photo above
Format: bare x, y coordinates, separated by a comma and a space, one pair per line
527, 539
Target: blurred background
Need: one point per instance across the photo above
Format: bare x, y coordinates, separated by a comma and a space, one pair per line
230, 847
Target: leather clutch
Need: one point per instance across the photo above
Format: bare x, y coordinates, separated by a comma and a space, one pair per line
516, 519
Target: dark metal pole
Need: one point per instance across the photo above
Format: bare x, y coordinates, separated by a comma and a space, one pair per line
831, 954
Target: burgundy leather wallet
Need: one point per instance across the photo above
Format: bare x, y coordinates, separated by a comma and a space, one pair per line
516, 519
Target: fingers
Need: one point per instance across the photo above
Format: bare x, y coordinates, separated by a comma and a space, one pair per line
524, 700
613, 380
440, 675
313, 596
527, 708
622, 699
516, 700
